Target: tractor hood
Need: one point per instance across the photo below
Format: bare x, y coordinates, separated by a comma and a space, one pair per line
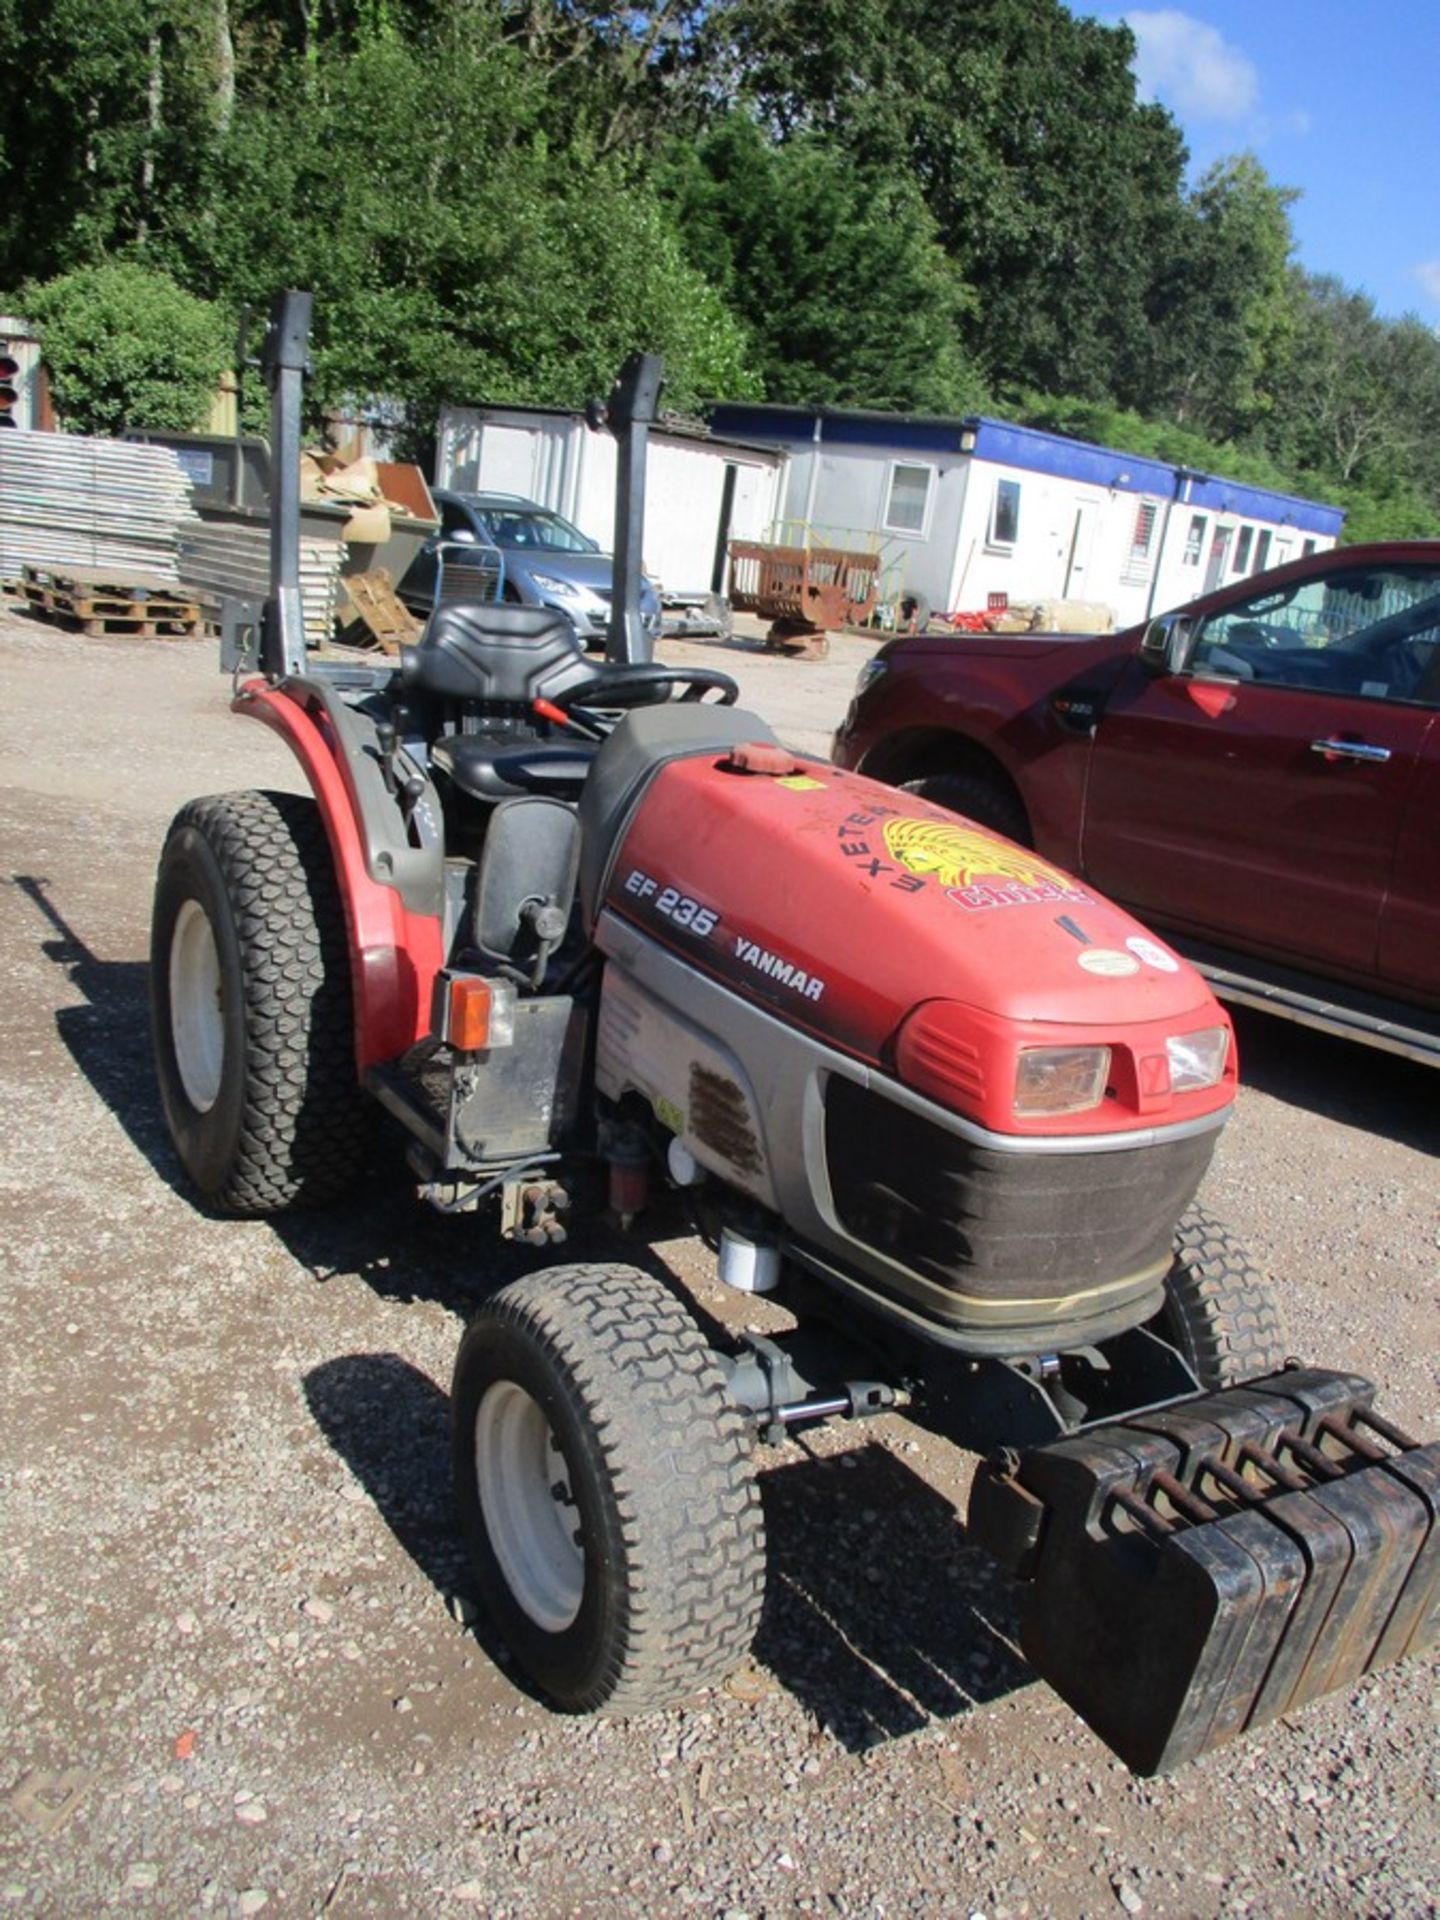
914, 940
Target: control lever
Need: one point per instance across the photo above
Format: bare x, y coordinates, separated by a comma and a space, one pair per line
406, 789
559, 717
388, 741
547, 923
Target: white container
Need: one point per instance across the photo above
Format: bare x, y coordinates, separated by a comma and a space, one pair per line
748, 1265
684, 1169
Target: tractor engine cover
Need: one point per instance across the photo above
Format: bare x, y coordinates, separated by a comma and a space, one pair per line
875, 971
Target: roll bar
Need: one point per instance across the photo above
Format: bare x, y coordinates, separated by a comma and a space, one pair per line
631, 410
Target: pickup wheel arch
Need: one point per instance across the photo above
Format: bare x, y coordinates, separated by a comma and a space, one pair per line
986, 797
955, 773
937, 763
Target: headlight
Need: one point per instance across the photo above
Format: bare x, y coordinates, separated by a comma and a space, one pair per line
562, 589
869, 674
1197, 1059
1060, 1079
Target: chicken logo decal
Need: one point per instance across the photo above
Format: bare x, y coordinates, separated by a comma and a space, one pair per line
976, 870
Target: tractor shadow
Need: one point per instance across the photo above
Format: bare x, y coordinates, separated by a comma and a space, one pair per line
390, 1424
403, 1250
879, 1620
1379, 1093
108, 1034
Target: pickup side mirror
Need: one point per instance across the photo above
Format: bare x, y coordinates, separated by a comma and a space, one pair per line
1165, 644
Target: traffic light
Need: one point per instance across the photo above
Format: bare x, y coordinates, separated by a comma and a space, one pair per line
9, 385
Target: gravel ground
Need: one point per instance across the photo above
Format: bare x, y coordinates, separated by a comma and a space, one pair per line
237, 1672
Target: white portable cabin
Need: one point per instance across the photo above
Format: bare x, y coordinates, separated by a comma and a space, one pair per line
700, 491
965, 511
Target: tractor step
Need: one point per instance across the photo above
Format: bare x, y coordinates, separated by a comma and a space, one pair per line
1196, 1571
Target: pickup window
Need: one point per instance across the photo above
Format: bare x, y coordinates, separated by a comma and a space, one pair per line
1374, 633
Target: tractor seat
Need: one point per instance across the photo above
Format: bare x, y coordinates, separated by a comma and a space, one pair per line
494, 655
491, 769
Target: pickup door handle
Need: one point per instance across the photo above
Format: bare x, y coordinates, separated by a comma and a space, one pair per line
1349, 750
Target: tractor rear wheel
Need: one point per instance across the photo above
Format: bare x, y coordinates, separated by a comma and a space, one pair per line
605, 1490
1220, 1311
250, 1005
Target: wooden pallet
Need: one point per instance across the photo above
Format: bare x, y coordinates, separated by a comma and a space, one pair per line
376, 608
90, 603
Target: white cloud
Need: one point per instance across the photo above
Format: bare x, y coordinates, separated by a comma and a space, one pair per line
1428, 274
1192, 67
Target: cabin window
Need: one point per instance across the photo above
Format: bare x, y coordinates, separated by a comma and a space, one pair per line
1137, 564
1005, 514
1242, 550
1195, 540
1262, 551
909, 501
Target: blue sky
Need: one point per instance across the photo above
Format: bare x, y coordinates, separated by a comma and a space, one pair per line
1336, 97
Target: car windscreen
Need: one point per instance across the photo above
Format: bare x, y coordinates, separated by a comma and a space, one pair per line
539, 532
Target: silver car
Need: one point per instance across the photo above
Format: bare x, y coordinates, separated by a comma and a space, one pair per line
547, 561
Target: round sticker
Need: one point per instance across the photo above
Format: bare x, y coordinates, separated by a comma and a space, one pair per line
1107, 961
1152, 955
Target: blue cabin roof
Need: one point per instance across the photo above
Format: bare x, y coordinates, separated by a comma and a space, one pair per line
1032, 449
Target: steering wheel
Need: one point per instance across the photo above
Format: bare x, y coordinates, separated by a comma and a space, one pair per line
629, 685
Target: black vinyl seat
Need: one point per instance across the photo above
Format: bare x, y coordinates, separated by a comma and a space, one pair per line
485, 666
494, 655
500, 769
493, 661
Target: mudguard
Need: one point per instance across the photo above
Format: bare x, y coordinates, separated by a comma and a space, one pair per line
394, 953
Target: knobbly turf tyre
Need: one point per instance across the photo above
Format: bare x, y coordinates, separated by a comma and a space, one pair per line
979, 796
250, 1005
1219, 1309
634, 1576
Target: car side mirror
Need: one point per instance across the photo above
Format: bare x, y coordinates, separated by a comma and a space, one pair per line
463, 535
1165, 643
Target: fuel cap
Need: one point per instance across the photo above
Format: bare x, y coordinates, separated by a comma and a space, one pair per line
761, 756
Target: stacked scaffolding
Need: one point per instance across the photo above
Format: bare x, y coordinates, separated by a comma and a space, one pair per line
69, 502
230, 560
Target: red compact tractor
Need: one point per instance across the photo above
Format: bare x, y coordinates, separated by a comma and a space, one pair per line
588, 931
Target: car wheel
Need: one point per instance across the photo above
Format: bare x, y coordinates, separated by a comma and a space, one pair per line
1219, 1312
250, 1005
605, 1489
980, 797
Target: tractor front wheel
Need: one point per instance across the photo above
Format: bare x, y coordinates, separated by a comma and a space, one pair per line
250, 1005
1220, 1311
605, 1490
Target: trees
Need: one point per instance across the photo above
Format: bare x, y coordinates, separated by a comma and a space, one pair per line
127, 347
1050, 186
915, 204
1221, 313
834, 269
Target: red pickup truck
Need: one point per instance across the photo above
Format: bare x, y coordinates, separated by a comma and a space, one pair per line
1256, 774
